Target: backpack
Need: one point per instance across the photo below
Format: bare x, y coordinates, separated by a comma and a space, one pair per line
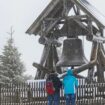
50, 87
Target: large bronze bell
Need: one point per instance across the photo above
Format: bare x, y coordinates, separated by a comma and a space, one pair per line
72, 54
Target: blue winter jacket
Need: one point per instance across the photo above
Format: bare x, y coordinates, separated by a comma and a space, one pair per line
70, 83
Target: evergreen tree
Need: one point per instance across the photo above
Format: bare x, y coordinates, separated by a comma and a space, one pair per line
11, 67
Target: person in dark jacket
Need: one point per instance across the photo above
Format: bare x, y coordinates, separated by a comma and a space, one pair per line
70, 84
54, 99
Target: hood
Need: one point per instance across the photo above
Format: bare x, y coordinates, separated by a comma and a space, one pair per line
69, 72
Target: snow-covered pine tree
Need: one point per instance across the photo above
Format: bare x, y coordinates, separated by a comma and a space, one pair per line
11, 66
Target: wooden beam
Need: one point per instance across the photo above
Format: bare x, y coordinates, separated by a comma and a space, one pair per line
51, 26
43, 61
91, 69
41, 68
87, 8
81, 24
33, 28
56, 59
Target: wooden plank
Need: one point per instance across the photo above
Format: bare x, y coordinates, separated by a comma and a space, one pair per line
44, 14
56, 59
42, 62
92, 97
91, 11
53, 10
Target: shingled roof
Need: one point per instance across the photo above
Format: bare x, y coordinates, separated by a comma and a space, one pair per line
55, 8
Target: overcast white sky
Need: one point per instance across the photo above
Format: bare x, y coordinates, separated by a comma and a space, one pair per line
21, 14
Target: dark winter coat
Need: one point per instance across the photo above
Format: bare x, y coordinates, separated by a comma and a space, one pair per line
56, 82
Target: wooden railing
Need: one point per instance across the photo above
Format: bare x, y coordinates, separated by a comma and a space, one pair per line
34, 94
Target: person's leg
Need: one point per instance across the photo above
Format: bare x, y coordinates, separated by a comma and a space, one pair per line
67, 98
56, 98
50, 99
73, 97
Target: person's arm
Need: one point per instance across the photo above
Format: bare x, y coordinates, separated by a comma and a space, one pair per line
62, 75
59, 83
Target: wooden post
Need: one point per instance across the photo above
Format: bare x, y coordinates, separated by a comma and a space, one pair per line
91, 69
43, 60
0, 94
56, 59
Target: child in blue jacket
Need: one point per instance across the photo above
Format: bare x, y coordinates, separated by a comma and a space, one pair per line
70, 84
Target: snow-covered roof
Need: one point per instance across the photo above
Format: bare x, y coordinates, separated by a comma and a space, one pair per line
55, 8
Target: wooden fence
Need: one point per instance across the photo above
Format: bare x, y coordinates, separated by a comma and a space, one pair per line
34, 94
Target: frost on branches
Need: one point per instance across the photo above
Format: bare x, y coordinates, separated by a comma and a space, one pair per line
11, 67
